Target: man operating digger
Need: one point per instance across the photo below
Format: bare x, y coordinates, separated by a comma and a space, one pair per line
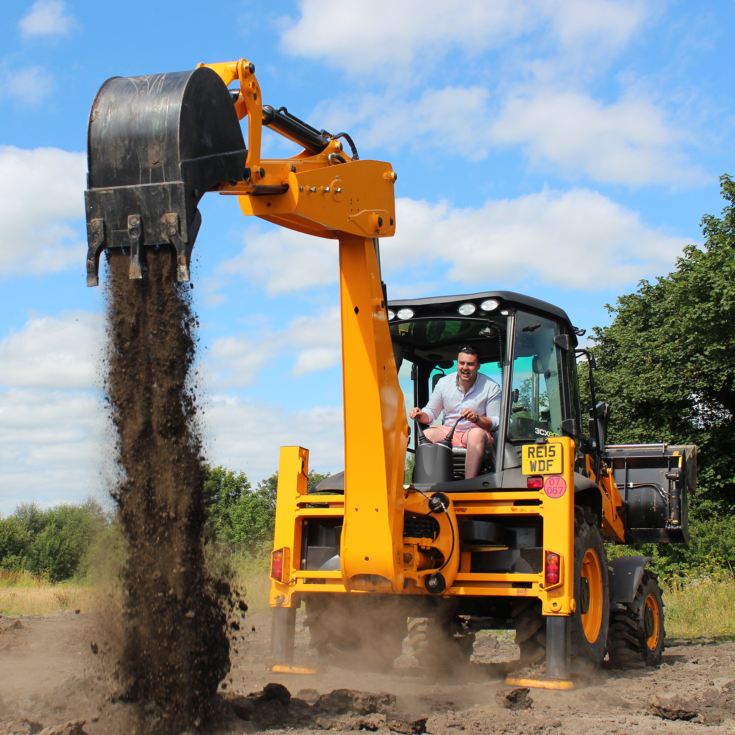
473, 397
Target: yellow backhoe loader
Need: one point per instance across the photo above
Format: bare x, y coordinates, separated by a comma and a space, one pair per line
520, 545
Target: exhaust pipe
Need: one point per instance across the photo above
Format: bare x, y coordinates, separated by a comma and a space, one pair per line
155, 145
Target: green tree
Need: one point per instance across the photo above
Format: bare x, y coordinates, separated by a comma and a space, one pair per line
239, 515
665, 364
15, 540
52, 543
270, 483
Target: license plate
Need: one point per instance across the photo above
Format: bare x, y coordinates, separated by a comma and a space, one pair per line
542, 459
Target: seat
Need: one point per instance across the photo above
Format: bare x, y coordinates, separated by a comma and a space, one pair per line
458, 460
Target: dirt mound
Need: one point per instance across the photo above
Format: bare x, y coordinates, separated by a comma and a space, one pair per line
711, 707
175, 649
344, 709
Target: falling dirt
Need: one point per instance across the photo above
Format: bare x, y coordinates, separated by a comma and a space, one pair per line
175, 647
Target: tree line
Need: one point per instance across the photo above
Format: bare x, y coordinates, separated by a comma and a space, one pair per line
58, 543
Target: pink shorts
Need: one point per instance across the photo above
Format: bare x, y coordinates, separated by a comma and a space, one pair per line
437, 433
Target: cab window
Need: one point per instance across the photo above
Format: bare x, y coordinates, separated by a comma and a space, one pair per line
536, 408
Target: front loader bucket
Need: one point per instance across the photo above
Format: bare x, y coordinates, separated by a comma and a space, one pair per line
655, 482
155, 145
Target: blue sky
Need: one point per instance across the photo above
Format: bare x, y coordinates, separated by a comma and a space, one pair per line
564, 149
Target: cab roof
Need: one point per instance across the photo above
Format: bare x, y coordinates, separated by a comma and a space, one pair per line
505, 297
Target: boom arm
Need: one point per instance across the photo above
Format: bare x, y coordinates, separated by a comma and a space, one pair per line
157, 143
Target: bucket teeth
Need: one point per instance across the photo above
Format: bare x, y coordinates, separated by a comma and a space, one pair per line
183, 252
96, 240
135, 270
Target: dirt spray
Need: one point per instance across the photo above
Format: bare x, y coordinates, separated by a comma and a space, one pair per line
175, 649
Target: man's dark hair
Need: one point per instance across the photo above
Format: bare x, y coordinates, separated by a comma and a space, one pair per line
468, 350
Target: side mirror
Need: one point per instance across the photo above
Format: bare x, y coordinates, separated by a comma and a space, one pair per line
602, 419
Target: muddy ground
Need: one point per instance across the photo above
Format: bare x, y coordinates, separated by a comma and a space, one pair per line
56, 677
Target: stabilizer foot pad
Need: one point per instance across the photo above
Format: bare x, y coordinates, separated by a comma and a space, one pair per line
539, 683
284, 669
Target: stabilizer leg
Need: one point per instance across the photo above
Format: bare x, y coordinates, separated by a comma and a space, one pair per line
557, 647
557, 658
282, 642
282, 635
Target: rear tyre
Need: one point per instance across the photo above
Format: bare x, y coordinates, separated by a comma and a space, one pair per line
637, 628
590, 622
440, 645
530, 628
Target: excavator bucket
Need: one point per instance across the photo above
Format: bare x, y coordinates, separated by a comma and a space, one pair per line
155, 145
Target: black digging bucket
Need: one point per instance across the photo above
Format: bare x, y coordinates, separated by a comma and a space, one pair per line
155, 145
433, 461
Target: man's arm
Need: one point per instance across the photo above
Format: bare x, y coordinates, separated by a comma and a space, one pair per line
484, 422
491, 419
492, 407
432, 409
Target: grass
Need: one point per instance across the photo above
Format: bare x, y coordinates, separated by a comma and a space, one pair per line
700, 608
251, 578
22, 594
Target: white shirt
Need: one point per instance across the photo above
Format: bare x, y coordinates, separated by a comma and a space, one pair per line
483, 397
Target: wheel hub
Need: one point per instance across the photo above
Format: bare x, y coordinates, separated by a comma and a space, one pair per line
648, 622
584, 596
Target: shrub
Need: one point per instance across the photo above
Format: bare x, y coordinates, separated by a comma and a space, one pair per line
51, 543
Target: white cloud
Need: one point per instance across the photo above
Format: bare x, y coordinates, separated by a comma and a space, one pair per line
538, 42
381, 35
452, 119
575, 239
318, 337
245, 435
312, 341
598, 23
46, 18
41, 200
303, 261
30, 86
52, 447
314, 359
54, 352
626, 142
235, 361
387, 38
53, 442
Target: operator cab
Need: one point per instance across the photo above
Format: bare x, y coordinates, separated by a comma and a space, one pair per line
525, 345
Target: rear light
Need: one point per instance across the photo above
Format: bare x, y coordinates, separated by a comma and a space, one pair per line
552, 569
277, 565
535, 482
